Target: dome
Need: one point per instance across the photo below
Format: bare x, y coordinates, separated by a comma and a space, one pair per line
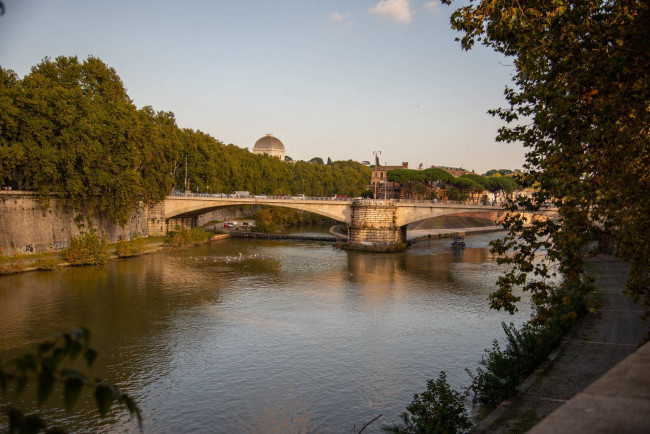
269, 145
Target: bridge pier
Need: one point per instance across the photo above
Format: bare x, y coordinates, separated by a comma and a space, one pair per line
373, 227
182, 223
159, 225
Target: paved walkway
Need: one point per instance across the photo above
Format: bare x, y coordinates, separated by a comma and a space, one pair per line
595, 345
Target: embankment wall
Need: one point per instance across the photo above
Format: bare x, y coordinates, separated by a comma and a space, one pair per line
26, 228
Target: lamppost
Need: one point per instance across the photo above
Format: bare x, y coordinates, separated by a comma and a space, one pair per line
376, 153
187, 185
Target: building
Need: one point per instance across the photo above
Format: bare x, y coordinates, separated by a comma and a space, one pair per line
269, 145
454, 171
382, 189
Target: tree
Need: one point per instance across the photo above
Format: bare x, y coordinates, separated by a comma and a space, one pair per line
406, 177
502, 186
317, 160
440, 409
69, 127
466, 187
329, 161
581, 93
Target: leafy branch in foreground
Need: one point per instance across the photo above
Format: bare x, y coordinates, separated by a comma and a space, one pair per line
43, 366
580, 106
540, 253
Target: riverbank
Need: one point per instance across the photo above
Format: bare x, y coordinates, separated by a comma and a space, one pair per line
27, 263
593, 346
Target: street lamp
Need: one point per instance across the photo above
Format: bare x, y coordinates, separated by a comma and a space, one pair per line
376, 153
187, 185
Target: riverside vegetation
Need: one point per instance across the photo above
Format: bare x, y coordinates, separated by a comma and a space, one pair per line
90, 249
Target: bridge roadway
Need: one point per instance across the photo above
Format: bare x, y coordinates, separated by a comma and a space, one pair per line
373, 224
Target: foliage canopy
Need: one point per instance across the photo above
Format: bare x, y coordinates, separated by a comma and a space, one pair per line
580, 106
69, 128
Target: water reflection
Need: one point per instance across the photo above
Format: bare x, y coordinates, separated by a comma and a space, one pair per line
265, 336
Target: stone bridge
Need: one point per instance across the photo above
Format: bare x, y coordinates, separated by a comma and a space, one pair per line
378, 225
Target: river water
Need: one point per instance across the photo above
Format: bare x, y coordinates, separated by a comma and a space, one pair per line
265, 336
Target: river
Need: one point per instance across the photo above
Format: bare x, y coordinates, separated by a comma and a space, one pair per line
265, 336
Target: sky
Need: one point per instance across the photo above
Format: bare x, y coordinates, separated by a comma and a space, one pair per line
330, 78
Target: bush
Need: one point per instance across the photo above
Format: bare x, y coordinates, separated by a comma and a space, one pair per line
438, 410
11, 265
132, 247
87, 249
49, 263
187, 237
502, 371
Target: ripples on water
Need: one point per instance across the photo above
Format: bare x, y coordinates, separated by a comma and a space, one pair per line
266, 336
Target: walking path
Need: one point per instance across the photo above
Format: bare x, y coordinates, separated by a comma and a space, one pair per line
595, 345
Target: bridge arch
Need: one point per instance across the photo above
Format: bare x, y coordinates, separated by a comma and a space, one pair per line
336, 210
412, 214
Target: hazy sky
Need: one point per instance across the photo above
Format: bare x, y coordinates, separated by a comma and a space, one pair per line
330, 78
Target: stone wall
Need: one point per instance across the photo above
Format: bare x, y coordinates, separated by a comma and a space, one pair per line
26, 228
373, 225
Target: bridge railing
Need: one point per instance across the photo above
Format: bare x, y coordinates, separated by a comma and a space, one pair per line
177, 193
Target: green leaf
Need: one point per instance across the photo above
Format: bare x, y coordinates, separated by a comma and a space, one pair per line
90, 355
132, 407
21, 383
71, 391
44, 347
31, 424
105, 395
3, 382
74, 348
45, 386
78, 334
15, 417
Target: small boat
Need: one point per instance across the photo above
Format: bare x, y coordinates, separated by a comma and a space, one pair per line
459, 242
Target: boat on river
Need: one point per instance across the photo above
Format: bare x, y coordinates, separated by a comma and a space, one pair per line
458, 243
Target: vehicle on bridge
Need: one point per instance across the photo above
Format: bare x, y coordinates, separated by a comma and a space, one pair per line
241, 194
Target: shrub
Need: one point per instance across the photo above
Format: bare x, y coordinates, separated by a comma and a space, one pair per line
187, 237
11, 266
440, 409
49, 263
87, 249
132, 247
502, 371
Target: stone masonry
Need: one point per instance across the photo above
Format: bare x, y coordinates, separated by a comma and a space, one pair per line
373, 227
25, 227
